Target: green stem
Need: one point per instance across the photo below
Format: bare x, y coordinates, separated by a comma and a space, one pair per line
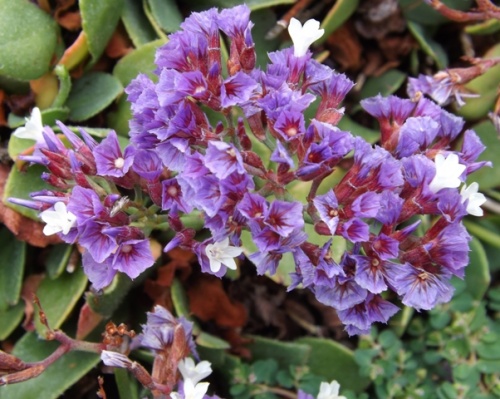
483, 233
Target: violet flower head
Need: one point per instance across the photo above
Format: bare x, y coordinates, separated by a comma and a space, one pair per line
109, 158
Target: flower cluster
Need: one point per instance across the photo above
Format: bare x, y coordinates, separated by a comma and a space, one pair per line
231, 141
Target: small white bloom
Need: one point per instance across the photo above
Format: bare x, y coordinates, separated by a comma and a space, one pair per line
33, 128
329, 391
194, 372
304, 36
192, 391
475, 199
221, 253
59, 219
448, 172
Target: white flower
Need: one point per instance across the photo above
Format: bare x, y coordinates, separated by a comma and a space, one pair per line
221, 253
329, 391
115, 359
59, 219
475, 199
448, 172
191, 391
304, 36
33, 128
192, 372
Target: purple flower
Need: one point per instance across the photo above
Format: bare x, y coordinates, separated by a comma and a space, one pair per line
132, 257
237, 89
284, 217
109, 158
100, 274
327, 207
222, 159
99, 244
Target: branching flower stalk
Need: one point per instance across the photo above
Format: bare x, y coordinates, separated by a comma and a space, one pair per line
260, 178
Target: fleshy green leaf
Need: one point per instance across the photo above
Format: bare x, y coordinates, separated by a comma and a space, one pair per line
11, 317
285, 353
428, 45
12, 259
99, 20
265, 20
126, 383
223, 363
338, 14
179, 298
486, 86
56, 378
21, 184
166, 14
211, 341
334, 361
91, 94
385, 84
58, 297
141, 60
57, 260
106, 303
487, 177
137, 25
477, 274
483, 28
27, 40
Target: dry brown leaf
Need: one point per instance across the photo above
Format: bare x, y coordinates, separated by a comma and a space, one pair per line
119, 44
208, 301
87, 321
345, 47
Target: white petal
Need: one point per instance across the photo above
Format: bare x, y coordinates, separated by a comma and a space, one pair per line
215, 265
229, 263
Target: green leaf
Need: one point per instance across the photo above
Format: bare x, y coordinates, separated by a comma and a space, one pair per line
400, 321
428, 45
57, 378
486, 86
58, 260
285, 353
487, 177
477, 274
108, 301
27, 40
11, 317
127, 385
64, 86
118, 120
136, 23
265, 370
21, 184
99, 21
370, 135
385, 84
91, 94
265, 20
211, 341
12, 259
223, 363
483, 28
58, 298
166, 13
488, 366
418, 11
179, 298
141, 60
334, 361
338, 14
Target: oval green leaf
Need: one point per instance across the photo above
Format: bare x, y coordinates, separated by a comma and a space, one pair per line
11, 317
99, 21
385, 84
58, 259
108, 301
285, 353
91, 94
141, 60
12, 259
58, 298
428, 45
338, 14
136, 23
334, 361
21, 184
487, 177
27, 40
56, 379
166, 14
